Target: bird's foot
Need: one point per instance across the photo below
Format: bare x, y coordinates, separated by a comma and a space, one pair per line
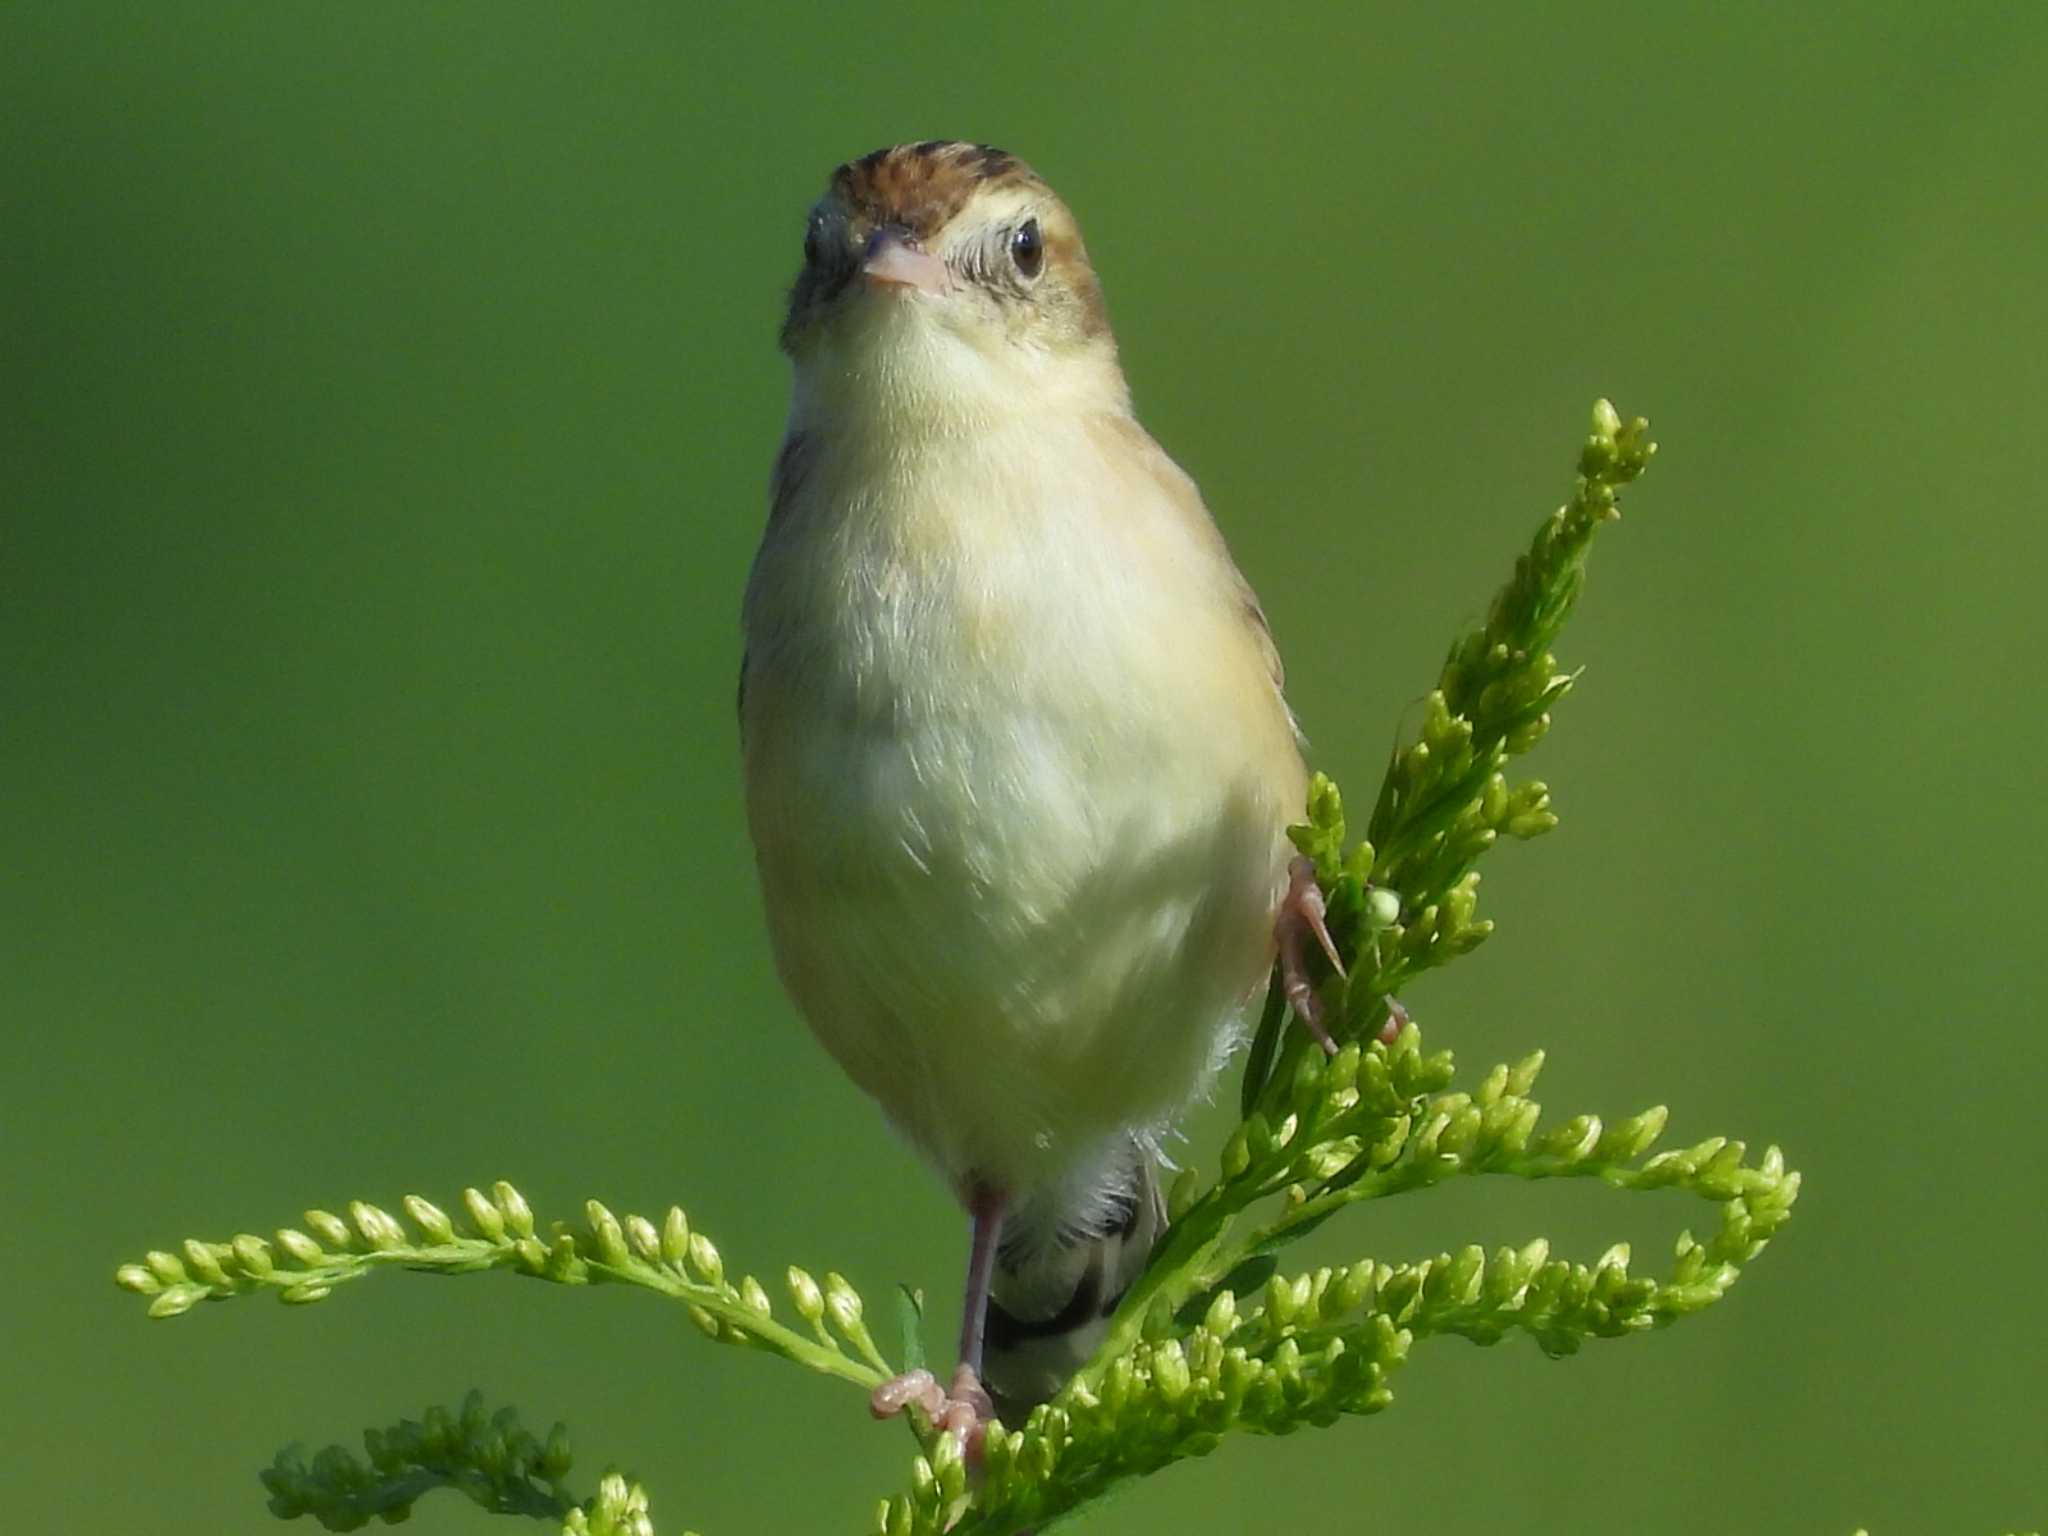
963, 1409
1301, 917
1397, 1020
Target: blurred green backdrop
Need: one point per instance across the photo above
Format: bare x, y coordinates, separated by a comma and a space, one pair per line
389, 393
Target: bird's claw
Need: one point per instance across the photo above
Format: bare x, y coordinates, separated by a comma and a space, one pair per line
899, 1392
1397, 1020
1303, 914
964, 1409
1303, 911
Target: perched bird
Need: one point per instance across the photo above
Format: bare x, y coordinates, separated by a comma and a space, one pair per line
1018, 768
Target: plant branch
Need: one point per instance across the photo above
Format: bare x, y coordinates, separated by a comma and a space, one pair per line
672, 1261
1213, 1337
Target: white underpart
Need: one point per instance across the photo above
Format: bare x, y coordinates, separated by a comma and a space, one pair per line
1016, 776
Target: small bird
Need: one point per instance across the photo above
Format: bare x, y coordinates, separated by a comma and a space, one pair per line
1018, 767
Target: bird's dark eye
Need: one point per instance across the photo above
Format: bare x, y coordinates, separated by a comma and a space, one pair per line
814, 241
1027, 248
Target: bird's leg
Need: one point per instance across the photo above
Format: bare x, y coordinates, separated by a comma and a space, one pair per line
967, 1395
985, 1210
1302, 916
965, 1407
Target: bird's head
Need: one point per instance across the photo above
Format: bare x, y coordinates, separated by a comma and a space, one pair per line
946, 270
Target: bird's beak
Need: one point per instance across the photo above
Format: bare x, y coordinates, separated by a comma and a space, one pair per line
894, 259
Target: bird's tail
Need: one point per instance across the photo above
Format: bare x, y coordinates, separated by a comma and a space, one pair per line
1066, 1258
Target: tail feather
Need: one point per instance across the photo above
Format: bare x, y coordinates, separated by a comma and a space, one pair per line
1067, 1257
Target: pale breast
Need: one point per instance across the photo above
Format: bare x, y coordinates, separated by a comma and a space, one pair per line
1017, 779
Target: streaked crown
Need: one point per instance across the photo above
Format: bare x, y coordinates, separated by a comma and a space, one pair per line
1012, 250
922, 187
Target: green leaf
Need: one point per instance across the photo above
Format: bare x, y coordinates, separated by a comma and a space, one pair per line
910, 1323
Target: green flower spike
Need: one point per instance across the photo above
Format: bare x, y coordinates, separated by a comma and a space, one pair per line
500, 1465
674, 1262
1214, 1337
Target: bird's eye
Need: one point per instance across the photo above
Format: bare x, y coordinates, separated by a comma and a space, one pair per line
1027, 248
814, 241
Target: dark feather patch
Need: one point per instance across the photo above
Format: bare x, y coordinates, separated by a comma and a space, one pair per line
792, 468
919, 187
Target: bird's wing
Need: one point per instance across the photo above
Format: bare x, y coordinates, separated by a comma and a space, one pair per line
1180, 495
793, 463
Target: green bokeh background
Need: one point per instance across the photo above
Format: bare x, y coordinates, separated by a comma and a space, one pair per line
388, 396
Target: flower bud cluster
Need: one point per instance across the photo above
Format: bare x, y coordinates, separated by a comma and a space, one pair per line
938, 1492
1307, 1348
1213, 1336
1338, 1115
492, 1458
1405, 898
304, 1265
619, 1509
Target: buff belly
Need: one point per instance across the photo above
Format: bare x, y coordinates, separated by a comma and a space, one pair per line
1020, 955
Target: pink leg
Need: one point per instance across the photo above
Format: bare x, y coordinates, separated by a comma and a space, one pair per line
966, 1407
1302, 915
985, 1210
